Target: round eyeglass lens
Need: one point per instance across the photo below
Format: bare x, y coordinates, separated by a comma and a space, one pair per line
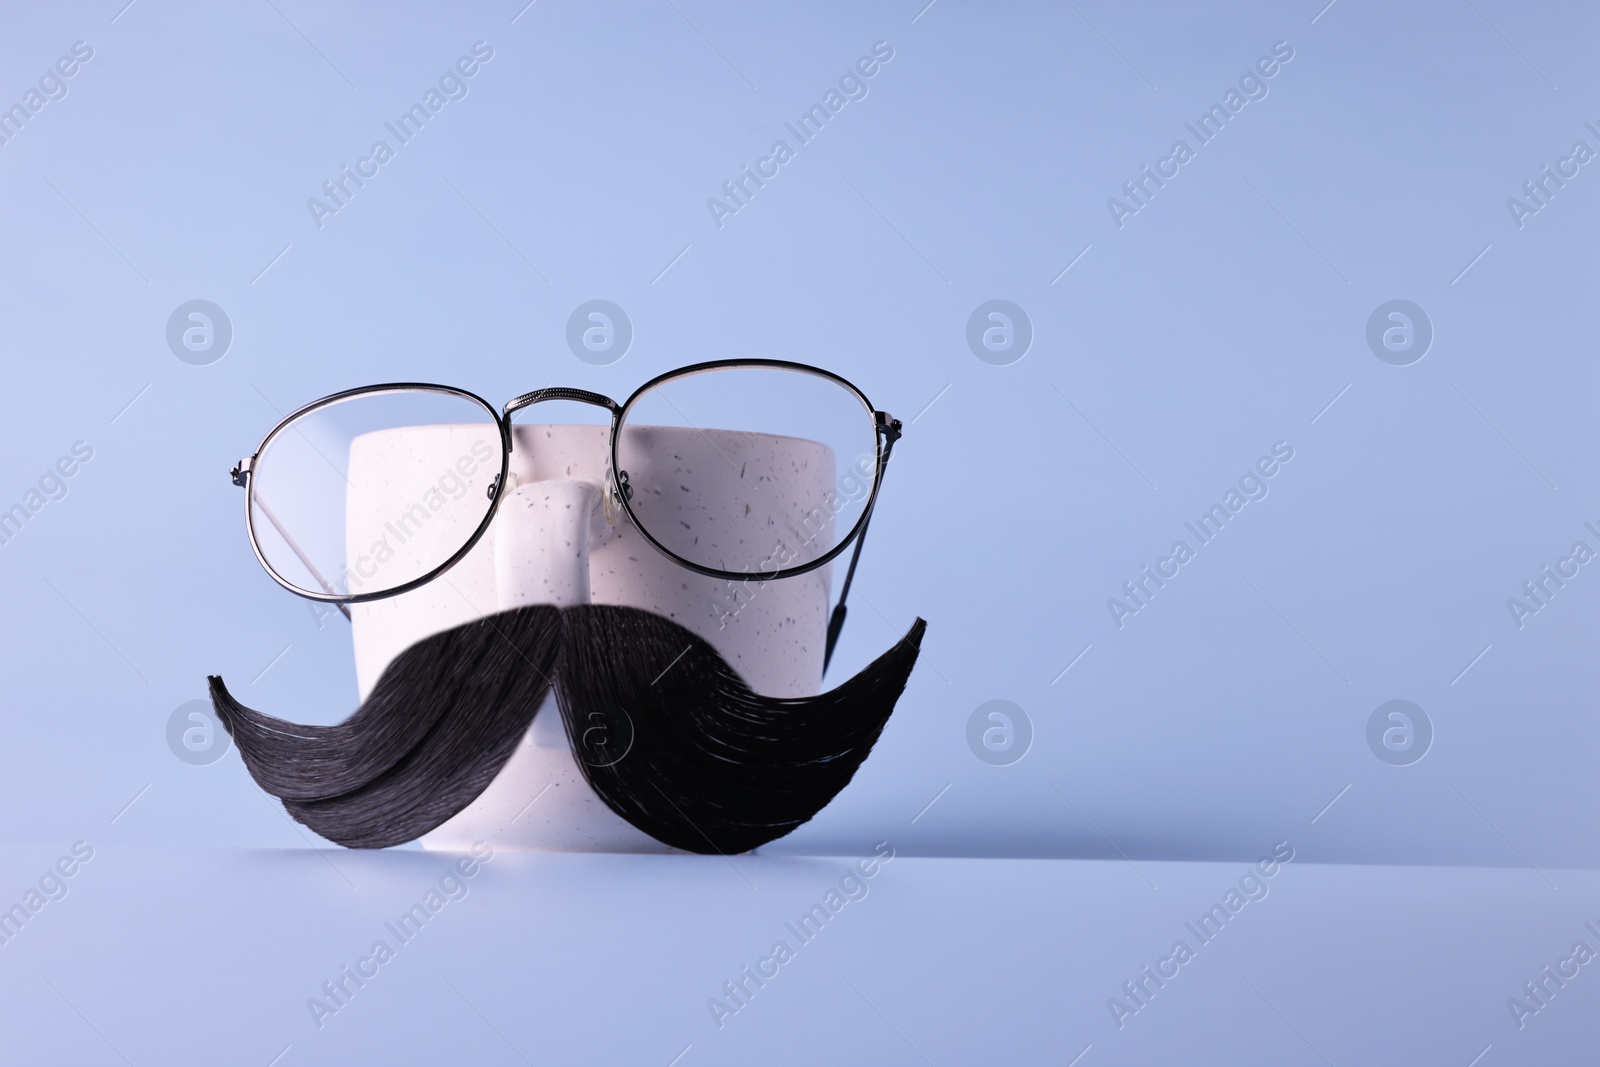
365, 494
750, 470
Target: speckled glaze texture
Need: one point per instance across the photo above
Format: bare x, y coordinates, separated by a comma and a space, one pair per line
550, 543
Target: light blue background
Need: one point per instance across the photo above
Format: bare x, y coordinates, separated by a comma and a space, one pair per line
1222, 318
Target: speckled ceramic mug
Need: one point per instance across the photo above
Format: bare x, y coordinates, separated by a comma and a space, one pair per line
552, 543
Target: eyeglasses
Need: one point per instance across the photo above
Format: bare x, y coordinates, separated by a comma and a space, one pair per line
736, 469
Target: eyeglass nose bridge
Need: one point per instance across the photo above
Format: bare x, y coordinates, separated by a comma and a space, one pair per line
616, 489
560, 392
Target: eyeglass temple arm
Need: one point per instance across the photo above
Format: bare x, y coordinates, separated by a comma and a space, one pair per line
241, 474
890, 428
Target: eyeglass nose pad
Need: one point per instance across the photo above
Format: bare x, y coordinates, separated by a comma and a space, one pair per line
615, 492
608, 498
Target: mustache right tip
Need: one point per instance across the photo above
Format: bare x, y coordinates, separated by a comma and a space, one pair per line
222, 701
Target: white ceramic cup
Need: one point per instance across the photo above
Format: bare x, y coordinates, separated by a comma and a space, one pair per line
551, 543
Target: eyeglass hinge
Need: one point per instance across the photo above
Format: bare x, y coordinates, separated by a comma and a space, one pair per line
888, 425
241, 471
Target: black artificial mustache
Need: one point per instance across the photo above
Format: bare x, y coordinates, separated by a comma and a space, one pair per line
665, 731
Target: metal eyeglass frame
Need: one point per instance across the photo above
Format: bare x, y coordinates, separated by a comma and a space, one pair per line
617, 492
